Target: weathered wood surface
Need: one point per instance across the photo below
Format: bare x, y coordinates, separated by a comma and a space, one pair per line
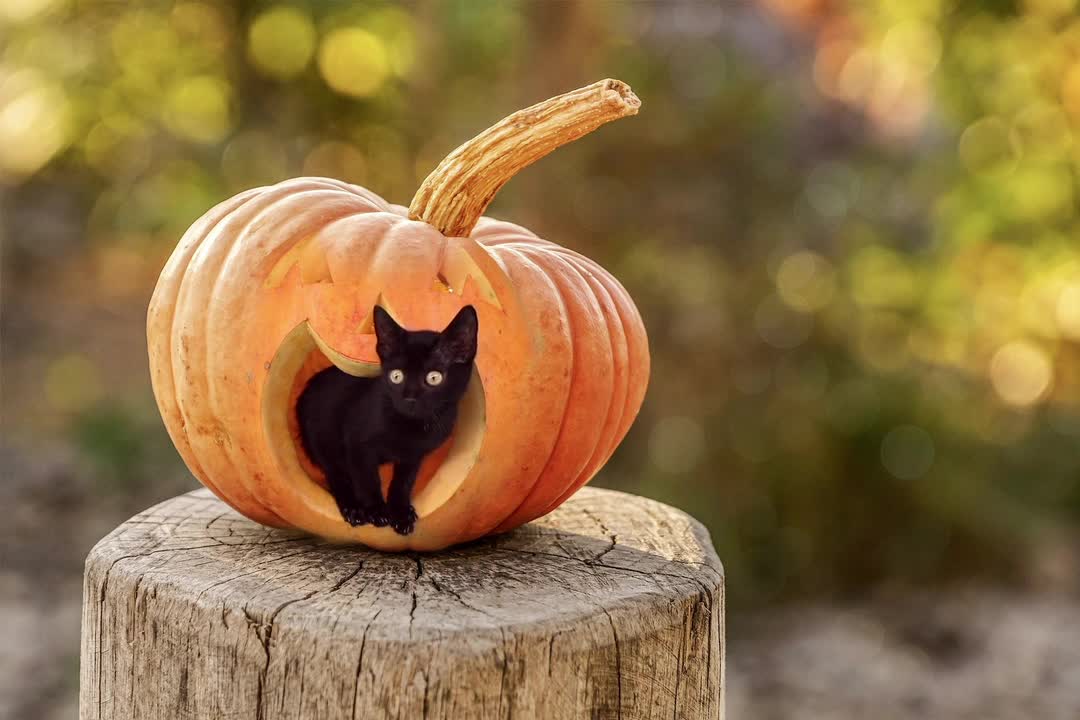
610, 607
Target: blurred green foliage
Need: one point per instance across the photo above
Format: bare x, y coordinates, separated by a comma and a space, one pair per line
851, 227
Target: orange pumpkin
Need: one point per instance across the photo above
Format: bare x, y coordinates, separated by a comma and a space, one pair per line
278, 282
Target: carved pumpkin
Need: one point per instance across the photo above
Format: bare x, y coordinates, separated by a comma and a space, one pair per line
276, 283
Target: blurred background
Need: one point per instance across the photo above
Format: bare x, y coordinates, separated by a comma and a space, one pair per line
852, 228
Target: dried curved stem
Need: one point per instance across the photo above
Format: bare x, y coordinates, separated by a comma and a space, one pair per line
456, 193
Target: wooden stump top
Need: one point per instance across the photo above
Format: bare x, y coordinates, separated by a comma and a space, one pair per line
609, 606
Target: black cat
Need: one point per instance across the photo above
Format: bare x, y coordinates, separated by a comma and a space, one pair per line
351, 425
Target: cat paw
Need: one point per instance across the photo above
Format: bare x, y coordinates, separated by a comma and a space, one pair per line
353, 515
379, 516
403, 520
365, 514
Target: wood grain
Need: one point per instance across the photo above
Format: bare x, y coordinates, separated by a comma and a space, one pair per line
610, 607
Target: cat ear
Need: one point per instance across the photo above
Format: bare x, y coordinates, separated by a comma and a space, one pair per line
389, 335
457, 343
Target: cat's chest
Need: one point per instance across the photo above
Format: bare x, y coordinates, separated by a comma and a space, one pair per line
405, 438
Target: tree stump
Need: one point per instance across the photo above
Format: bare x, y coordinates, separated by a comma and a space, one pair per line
610, 607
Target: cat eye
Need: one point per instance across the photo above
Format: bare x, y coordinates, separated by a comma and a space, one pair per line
434, 378
397, 377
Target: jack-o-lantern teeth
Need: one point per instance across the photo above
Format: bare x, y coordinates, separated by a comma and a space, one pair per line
278, 283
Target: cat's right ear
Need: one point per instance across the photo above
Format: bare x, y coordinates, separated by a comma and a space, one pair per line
457, 343
388, 334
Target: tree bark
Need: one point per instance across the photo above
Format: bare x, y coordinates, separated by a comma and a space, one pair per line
610, 607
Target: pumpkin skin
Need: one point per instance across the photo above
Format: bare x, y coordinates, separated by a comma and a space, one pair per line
278, 281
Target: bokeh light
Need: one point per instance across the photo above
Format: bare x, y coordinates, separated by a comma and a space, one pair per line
915, 44
33, 120
16, 11
197, 109
353, 62
1068, 311
281, 41
1021, 373
805, 281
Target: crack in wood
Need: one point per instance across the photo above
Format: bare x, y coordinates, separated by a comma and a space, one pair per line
266, 640
618, 661
360, 660
338, 585
551, 651
678, 676
502, 677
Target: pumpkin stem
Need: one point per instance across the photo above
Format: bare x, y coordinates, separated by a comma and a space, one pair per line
456, 193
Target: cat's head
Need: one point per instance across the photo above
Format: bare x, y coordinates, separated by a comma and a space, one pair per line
425, 370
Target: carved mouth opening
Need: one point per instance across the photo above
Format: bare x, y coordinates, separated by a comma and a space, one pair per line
303, 354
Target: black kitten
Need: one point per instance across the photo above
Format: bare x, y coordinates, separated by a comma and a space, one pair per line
351, 425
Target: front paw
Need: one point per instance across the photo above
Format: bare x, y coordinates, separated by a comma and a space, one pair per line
358, 513
379, 515
353, 514
403, 519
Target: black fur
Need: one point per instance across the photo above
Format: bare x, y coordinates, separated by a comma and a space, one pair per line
351, 425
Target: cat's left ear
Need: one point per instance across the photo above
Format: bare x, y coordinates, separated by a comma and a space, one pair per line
457, 343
